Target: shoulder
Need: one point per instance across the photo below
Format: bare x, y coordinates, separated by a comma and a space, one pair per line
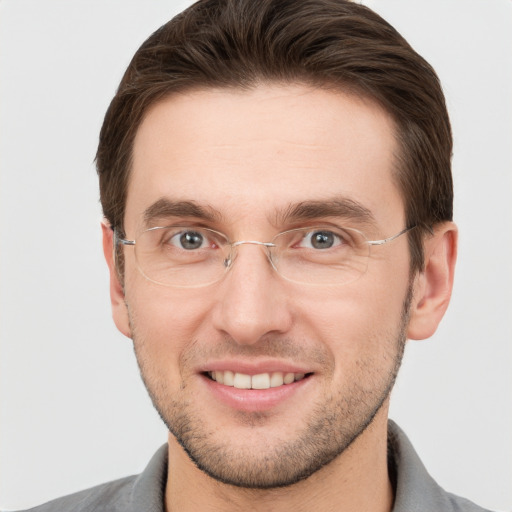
459, 504
111, 496
144, 492
415, 489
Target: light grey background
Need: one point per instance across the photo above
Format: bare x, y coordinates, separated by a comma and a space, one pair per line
73, 411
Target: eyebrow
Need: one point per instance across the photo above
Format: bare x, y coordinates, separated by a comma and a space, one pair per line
341, 207
165, 208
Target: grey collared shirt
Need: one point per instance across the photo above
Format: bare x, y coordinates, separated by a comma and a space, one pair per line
416, 491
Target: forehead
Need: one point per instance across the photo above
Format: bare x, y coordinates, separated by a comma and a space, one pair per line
250, 154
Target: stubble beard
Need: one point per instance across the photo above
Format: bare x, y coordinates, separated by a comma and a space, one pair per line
335, 423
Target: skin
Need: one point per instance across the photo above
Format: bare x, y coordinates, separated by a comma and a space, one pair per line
248, 156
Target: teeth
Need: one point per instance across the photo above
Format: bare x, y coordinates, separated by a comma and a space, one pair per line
260, 381
242, 381
289, 378
276, 380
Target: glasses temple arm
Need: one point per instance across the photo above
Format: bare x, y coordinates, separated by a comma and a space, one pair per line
391, 238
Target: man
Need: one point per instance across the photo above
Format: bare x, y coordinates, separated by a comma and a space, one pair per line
275, 178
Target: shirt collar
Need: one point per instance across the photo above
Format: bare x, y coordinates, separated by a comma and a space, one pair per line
415, 489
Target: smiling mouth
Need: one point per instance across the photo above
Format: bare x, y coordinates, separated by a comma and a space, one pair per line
259, 381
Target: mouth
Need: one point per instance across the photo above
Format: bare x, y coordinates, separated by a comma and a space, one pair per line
259, 381
258, 386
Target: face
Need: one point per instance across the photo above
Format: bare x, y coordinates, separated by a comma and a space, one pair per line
252, 164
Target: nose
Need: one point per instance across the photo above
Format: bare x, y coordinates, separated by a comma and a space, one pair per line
252, 299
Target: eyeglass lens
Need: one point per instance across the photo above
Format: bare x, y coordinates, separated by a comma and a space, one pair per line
184, 256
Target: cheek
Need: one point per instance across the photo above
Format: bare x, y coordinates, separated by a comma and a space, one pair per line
164, 321
357, 323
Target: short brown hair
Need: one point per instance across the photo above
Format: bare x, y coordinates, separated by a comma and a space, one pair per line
325, 43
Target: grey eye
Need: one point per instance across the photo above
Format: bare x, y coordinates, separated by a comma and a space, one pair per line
322, 239
188, 240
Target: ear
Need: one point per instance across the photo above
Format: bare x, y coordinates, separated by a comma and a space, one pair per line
119, 308
433, 285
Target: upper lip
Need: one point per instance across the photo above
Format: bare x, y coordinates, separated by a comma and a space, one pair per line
254, 367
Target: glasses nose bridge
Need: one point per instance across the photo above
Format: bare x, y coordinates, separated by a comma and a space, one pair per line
228, 262
253, 242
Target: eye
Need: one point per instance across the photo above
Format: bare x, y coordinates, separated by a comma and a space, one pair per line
321, 239
189, 240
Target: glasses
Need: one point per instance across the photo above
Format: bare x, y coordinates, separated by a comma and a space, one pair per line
189, 256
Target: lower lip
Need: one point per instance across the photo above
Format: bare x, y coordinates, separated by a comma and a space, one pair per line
254, 400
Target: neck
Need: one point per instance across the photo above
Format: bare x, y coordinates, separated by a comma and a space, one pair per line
357, 480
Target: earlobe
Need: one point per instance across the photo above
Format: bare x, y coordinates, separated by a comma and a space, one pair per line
433, 286
119, 308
